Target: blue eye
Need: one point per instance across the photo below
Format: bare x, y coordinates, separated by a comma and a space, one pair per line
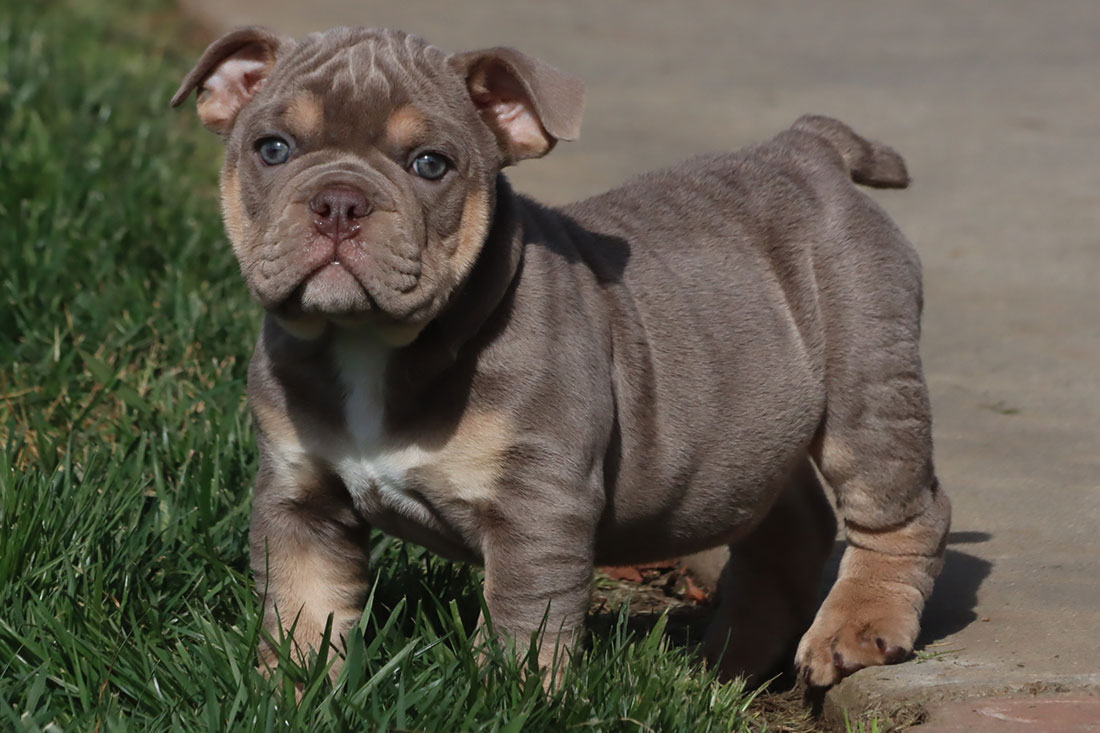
431, 166
273, 150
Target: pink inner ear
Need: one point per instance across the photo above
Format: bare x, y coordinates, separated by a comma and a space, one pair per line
518, 121
508, 110
227, 90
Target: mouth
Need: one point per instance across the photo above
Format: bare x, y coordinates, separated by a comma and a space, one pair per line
333, 261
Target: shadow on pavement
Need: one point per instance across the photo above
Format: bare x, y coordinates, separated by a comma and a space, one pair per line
951, 607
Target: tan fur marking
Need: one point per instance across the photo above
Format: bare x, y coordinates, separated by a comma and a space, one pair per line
305, 115
277, 428
471, 232
232, 208
303, 588
872, 614
463, 465
405, 126
470, 461
317, 585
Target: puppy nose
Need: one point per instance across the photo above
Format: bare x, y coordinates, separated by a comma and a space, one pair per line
337, 211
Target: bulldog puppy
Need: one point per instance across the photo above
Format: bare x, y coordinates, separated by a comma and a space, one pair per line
637, 376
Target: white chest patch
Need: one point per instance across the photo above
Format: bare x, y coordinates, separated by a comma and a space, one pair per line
362, 366
366, 464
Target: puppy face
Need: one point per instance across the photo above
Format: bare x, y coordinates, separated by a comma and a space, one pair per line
360, 165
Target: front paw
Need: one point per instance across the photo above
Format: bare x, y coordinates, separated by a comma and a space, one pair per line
859, 625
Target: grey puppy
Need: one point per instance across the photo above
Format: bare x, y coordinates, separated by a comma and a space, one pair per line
636, 376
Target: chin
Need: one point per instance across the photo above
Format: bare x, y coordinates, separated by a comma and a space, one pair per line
334, 292
332, 299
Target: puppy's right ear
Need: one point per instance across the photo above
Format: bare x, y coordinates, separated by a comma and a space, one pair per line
229, 73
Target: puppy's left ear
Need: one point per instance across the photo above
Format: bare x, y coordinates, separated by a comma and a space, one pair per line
229, 73
528, 104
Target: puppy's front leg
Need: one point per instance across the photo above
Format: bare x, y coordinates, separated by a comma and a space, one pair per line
310, 558
539, 554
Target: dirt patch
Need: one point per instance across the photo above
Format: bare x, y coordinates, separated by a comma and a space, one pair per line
651, 590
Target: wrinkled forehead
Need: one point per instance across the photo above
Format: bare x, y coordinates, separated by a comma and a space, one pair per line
355, 79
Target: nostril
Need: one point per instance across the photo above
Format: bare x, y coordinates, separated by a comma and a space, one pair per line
321, 204
358, 209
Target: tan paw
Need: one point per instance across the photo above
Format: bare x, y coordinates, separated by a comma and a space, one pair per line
858, 627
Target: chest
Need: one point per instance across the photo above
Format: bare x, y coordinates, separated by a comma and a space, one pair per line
427, 482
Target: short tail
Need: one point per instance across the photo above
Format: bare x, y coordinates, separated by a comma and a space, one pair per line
869, 163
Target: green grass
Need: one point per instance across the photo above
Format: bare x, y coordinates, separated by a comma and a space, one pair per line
126, 453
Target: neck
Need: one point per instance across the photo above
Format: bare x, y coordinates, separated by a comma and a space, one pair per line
474, 305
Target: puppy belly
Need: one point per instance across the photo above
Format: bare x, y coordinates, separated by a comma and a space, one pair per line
443, 543
701, 520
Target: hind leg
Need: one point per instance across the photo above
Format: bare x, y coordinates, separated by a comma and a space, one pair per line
770, 588
872, 614
875, 450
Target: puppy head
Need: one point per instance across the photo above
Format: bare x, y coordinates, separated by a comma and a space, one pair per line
360, 165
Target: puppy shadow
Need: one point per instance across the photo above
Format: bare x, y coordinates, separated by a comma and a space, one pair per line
950, 609
955, 595
606, 255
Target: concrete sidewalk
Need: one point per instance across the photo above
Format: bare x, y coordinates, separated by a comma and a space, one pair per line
996, 106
